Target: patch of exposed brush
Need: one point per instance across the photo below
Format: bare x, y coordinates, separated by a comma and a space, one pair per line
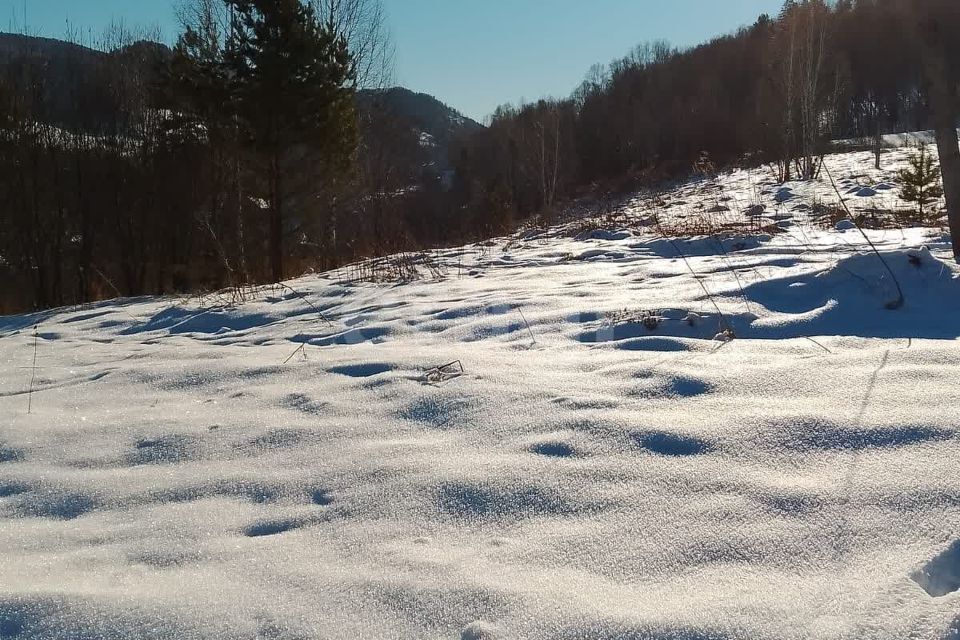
401, 267
650, 319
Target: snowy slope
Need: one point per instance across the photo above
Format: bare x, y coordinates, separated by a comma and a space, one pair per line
604, 468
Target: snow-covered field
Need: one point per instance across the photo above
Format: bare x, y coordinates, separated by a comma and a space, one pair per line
608, 465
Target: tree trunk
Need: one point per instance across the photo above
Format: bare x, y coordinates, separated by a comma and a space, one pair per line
950, 166
943, 101
878, 140
241, 236
84, 268
276, 224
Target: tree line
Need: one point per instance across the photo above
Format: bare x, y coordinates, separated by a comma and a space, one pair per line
240, 156
250, 153
776, 92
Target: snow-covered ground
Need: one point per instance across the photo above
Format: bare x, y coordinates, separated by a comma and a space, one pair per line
608, 465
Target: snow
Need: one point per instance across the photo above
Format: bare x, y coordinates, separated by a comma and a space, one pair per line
608, 464
427, 140
891, 140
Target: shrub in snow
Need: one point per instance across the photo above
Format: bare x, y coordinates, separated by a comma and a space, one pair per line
481, 631
921, 182
650, 320
725, 336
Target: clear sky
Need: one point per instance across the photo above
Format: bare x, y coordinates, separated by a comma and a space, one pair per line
472, 54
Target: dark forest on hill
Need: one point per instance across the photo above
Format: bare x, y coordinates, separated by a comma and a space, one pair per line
239, 158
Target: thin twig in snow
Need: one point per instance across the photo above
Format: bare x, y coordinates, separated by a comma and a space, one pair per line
33, 376
724, 325
306, 301
301, 349
895, 304
731, 268
529, 330
819, 345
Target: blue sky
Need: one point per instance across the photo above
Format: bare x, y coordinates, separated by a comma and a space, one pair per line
472, 54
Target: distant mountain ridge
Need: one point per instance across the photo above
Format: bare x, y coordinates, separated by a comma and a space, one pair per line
430, 114
18, 45
434, 123
77, 89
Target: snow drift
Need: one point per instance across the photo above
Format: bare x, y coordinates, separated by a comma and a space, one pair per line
602, 468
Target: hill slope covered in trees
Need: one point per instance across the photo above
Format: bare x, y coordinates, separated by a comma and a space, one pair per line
89, 136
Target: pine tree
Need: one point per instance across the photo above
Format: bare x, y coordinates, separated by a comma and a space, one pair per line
920, 182
292, 79
278, 88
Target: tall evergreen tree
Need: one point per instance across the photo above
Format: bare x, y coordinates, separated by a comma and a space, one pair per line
292, 81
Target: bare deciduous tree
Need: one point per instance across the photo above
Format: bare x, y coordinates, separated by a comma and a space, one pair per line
802, 74
364, 25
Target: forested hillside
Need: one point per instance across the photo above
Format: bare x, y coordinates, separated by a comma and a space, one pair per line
133, 168
105, 197
775, 92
